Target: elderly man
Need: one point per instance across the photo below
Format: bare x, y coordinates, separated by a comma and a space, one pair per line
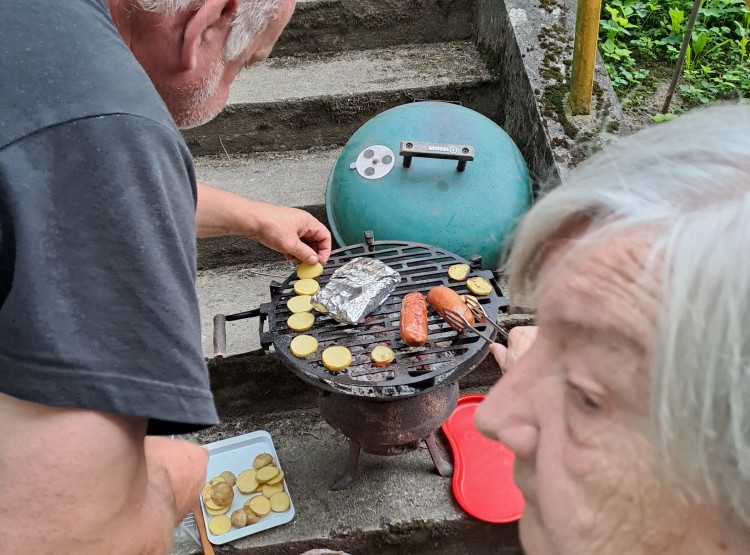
628, 412
99, 209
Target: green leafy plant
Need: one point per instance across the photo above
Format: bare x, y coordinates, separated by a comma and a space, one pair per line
640, 38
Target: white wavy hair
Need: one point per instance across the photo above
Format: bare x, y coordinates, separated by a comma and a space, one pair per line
251, 19
689, 180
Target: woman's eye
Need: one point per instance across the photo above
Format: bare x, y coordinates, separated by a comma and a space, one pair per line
583, 400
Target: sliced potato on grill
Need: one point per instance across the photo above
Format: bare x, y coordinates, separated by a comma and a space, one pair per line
382, 355
299, 303
303, 346
336, 358
306, 287
458, 272
301, 321
309, 271
479, 286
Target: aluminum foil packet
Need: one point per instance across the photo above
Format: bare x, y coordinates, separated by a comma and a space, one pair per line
356, 289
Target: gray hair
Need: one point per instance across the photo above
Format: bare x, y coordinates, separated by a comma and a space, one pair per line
689, 181
251, 19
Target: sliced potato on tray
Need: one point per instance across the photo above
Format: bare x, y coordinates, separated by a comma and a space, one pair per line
280, 502
219, 525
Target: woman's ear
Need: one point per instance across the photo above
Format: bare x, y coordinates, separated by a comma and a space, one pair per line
207, 28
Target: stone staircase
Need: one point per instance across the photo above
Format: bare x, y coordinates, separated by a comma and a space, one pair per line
338, 64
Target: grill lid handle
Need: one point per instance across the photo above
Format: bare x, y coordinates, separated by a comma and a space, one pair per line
462, 153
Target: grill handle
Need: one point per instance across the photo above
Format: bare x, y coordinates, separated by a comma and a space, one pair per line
461, 153
220, 329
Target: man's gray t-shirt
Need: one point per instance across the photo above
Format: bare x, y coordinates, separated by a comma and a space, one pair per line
97, 225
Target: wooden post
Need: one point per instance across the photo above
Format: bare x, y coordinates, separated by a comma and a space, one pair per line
584, 55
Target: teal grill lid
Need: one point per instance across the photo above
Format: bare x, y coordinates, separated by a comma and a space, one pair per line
434, 173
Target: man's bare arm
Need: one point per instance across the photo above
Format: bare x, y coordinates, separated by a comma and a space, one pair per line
86, 482
290, 231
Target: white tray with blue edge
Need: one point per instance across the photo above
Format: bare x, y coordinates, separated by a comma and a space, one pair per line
236, 454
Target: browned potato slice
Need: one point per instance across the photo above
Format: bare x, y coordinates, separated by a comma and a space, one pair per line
262, 460
458, 272
382, 355
219, 525
267, 473
239, 518
280, 502
269, 489
276, 479
260, 505
479, 286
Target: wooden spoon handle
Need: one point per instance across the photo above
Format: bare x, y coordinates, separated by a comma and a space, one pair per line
208, 549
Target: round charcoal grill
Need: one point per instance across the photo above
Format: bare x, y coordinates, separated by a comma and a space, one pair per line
446, 357
415, 393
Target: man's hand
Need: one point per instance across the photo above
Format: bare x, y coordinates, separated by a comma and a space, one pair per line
88, 482
292, 232
519, 340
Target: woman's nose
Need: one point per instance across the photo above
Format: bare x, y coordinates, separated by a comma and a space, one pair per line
507, 413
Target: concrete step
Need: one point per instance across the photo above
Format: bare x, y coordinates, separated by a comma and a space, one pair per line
330, 25
295, 103
396, 505
293, 178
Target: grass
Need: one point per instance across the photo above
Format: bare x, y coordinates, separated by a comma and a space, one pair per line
640, 41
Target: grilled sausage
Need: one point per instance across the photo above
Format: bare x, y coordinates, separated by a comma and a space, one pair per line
442, 297
414, 319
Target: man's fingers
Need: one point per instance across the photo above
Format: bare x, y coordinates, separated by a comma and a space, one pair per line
500, 353
519, 340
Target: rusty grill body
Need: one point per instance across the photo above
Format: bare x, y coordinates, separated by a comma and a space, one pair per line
391, 410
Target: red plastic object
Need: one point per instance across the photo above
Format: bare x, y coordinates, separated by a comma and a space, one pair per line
483, 469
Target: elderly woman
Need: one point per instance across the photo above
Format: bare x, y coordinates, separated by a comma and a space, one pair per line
629, 413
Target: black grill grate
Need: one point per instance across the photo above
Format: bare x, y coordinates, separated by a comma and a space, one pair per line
445, 358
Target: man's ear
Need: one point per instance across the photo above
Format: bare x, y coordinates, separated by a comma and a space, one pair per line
210, 22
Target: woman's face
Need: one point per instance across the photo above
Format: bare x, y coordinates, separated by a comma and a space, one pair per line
574, 409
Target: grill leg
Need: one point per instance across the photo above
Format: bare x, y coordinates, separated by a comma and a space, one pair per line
444, 468
345, 480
